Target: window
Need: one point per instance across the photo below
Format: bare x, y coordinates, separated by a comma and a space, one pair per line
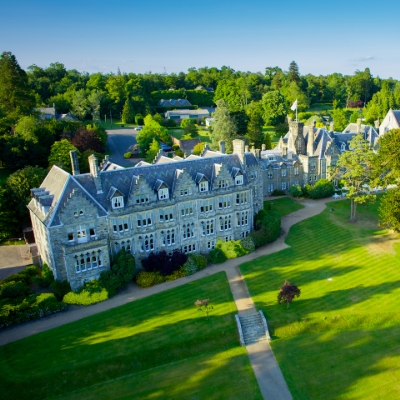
343, 147
241, 198
149, 243
187, 208
211, 244
166, 215
312, 167
206, 205
186, 191
242, 218
225, 223
283, 171
296, 182
141, 198
81, 212
203, 186
270, 187
224, 202
228, 238
244, 234
115, 228
70, 237
270, 174
117, 202
168, 237
189, 248
315, 178
253, 175
223, 183
76, 213
283, 185
81, 235
207, 227
188, 231
239, 180
310, 178
144, 219
92, 232
296, 170
163, 194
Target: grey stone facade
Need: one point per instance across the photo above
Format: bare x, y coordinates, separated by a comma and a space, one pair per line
80, 221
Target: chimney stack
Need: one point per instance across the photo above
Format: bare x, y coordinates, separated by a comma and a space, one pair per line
222, 147
377, 123
358, 125
246, 148
310, 140
263, 147
238, 148
74, 162
94, 171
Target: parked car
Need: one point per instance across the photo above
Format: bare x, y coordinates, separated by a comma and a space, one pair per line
139, 128
165, 147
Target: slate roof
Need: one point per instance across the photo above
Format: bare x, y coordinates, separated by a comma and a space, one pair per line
58, 184
174, 103
202, 113
396, 113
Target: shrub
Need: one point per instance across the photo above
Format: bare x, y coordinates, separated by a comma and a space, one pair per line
258, 238
164, 263
169, 123
60, 288
190, 267
179, 153
296, 191
231, 249
175, 147
179, 273
217, 256
91, 293
46, 277
128, 154
322, 188
146, 279
268, 227
278, 192
13, 290
248, 244
200, 260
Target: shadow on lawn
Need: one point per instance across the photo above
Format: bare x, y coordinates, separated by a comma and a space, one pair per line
328, 367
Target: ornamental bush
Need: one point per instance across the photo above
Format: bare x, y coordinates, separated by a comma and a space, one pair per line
163, 263
278, 192
14, 290
217, 256
322, 188
91, 293
179, 273
247, 244
200, 260
60, 288
190, 266
128, 154
45, 278
268, 227
145, 279
296, 191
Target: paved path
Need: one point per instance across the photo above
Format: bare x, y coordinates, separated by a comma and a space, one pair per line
265, 366
119, 142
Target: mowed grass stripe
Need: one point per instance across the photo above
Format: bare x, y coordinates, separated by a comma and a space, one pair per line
338, 340
283, 205
136, 337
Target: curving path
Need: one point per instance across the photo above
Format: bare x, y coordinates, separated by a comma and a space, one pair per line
265, 366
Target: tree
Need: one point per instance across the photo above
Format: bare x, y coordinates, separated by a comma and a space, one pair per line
128, 115
387, 171
294, 75
340, 119
93, 102
21, 182
255, 127
287, 293
267, 141
224, 127
204, 305
9, 223
16, 97
198, 149
189, 128
85, 139
153, 151
152, 130
80, 105
274, 106
355, 168
59, 155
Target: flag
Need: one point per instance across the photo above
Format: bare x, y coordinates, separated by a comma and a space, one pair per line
294, 106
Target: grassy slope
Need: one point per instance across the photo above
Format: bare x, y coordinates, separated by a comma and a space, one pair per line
284, 205
340, 338
146, 349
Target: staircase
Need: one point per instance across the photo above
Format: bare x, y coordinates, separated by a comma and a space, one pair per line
252, 328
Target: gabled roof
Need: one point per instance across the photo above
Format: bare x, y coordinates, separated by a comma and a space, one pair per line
174, 103
396, 114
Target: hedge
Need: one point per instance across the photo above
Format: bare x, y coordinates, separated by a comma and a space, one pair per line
91, 293
322, 188
267, 227
217, 256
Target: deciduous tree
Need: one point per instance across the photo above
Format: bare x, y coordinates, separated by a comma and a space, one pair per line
59, 155
287, 293
275, 109
224, 127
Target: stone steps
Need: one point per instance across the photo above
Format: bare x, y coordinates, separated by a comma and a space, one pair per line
252, 328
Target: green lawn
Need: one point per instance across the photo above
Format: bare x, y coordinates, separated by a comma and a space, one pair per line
340, 338
155, 348
274, 136
116, 124
284, 205
204, 136
320, 107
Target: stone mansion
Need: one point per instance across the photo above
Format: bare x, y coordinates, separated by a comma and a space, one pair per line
81, 220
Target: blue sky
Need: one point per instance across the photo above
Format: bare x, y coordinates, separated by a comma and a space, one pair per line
138, 36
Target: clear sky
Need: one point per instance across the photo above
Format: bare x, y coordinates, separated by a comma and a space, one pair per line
139, 36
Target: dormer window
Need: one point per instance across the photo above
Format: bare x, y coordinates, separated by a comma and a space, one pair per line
117, 202
186, 191
163, 194
343, 147
203, 186
239, 180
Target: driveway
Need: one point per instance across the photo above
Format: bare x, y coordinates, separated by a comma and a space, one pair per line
119, 142
13, 259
